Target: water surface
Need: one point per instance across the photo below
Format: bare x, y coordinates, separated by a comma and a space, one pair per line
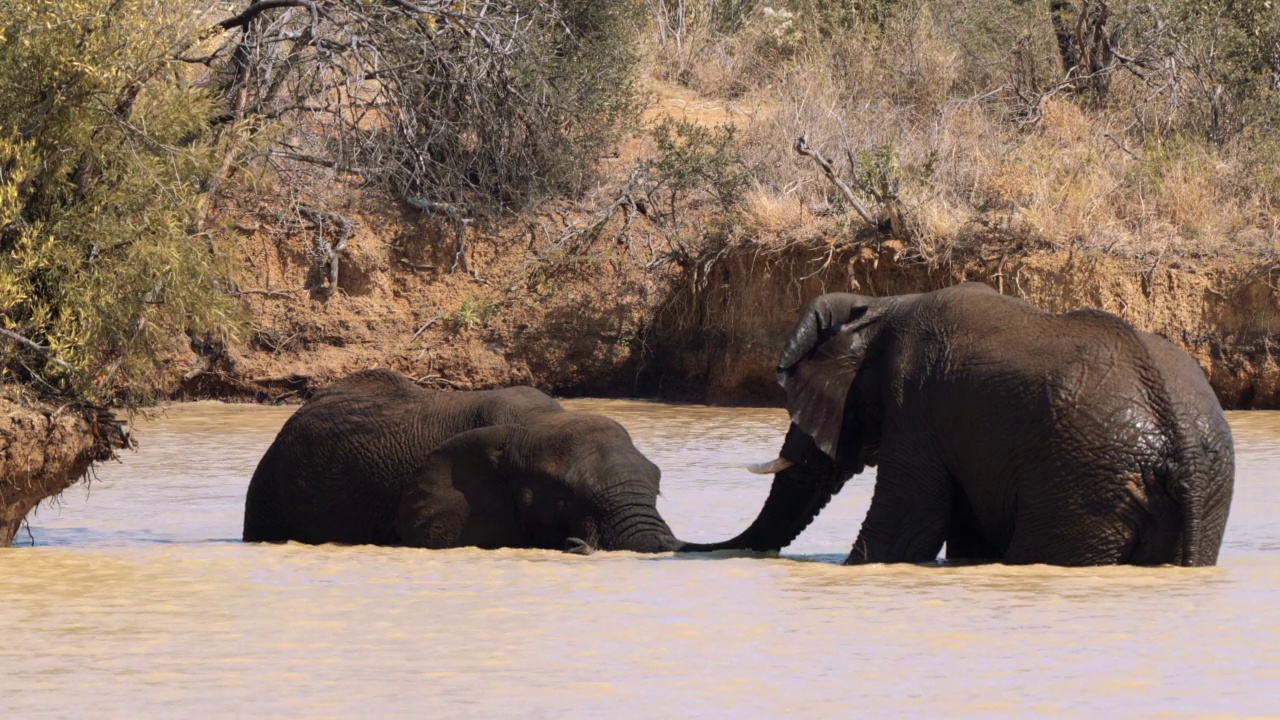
138, 600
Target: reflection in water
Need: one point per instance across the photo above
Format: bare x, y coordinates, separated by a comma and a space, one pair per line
139, 600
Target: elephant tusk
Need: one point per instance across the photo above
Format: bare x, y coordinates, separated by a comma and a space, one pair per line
776, 465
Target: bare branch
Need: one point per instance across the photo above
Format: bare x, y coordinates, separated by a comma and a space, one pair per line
44, 352
802, 147
453, 211
257, 9
316, 160
268, 292
591, 226
330, 252
424, 327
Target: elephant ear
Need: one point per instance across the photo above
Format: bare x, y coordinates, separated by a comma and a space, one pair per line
820, 361
460, 496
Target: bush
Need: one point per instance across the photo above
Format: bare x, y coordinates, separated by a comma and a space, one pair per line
103, 154
477, 109
1230, 55
691, 158
696, 172
973, 120
473, 312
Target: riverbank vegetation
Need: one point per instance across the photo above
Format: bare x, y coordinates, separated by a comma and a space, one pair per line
1130, 128
105, 158
139, 140
122, 124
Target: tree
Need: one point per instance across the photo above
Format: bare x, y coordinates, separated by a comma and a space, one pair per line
105, 150
469, 108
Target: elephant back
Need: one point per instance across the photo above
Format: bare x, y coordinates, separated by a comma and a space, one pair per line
340, 463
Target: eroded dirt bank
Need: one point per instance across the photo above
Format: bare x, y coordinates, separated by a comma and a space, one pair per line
44, 450
722, 331
611, 318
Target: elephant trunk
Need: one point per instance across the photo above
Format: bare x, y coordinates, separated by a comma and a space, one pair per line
804, 480
637, 526
794, 501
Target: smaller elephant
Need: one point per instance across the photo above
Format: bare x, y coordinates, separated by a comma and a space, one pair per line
375, 459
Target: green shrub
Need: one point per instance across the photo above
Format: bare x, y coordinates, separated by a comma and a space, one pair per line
698, 158
103, 152
473, 312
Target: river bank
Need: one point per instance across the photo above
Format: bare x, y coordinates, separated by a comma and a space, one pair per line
628, 318
45, 449
616, 320
1225, 312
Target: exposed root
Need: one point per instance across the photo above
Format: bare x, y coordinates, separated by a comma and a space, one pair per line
44, 451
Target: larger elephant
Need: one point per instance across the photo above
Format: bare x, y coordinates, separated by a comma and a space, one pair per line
1006, 432
375, 459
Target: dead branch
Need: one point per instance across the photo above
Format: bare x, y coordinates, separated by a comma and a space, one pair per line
802, 147
414, 265
317, 160
44, 352
424, 327
268, 292
257, 9
455, 214
330, 252
452, 211
625, 201
1120, 145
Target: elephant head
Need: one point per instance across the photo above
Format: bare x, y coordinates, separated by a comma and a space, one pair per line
832, 371
568, 480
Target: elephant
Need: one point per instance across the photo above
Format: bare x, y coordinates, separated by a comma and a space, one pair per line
376, 459
1005, 432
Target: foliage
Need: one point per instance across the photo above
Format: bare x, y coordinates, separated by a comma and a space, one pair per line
877, 172
473, 312
692, 158
1230, 52
477, 109
696, 172
104, 151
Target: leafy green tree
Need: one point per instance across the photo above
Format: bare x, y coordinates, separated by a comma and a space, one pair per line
104, 154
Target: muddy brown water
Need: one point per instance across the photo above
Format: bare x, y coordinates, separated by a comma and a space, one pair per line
138, 600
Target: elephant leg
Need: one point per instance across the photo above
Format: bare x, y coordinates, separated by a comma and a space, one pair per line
965, 539
432, 518
1060, 529
910, 510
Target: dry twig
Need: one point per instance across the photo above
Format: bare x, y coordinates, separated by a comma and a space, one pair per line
802, 147
424, 327
44, 352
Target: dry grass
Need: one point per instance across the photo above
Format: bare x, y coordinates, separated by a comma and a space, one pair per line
774, 213
983, 154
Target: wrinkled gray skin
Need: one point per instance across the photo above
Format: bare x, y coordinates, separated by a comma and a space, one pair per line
1008, 433
375, 459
